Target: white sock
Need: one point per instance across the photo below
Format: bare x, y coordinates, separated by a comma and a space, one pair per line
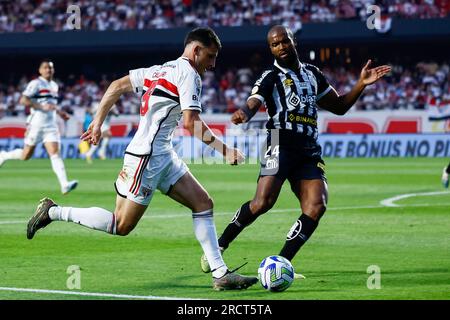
94, 218
205, 232
102, 151
15, 154
59, 169
91, 150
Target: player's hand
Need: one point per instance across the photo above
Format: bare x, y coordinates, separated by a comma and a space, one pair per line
369, 76
239, 117
234, 156
48, 107
93, 133
64, 115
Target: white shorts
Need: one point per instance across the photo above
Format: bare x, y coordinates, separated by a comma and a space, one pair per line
142, 175
37, 134
106, 126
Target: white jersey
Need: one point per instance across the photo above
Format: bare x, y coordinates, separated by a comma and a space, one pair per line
167, 90
42, 91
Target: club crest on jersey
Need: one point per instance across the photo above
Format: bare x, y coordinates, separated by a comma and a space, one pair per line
272, 163
146, 192
255, 89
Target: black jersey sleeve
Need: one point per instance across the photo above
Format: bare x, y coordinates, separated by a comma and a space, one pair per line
263, 88
323, 86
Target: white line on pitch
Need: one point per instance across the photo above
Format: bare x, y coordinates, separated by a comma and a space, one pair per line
93, 294
389, 202
187, 214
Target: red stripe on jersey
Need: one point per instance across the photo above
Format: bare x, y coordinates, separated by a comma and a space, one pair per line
44, 91
163, 83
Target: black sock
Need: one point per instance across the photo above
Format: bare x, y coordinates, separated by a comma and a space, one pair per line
448, 169
298, 235
241, 219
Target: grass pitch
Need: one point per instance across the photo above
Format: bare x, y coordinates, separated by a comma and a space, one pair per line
409, 243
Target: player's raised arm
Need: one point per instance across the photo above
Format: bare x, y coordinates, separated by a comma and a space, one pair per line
199, 129
339, 105
112, 94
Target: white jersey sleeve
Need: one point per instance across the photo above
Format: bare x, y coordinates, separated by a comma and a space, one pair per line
137, 77
32, 89
190, 88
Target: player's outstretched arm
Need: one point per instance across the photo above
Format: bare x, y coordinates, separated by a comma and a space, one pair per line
339, 105
247, 112
199, 129
112, 94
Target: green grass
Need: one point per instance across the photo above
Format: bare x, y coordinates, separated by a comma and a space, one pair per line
410, 243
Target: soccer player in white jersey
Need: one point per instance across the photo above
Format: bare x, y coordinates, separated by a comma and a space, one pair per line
168, 92
41, 95
106, 135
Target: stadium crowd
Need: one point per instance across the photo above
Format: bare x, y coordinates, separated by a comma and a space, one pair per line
51, 15
224, 92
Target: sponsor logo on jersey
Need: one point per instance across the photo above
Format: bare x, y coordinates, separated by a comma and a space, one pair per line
198, 85
265, 73
255, 89
294, 100
158, 74
302, 119
321, 166
288, 82
123, 175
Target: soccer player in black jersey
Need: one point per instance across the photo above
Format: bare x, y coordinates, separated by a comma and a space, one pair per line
292, 91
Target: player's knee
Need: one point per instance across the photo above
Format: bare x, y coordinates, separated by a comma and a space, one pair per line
204, 203
123, 228
260, 206
26, 156
315, 210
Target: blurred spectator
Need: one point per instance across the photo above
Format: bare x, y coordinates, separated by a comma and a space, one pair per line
408, 88
50, 15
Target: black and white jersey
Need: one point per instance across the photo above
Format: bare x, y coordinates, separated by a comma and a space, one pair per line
290, 97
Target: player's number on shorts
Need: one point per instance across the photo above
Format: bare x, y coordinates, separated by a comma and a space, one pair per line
275, 151
146, 97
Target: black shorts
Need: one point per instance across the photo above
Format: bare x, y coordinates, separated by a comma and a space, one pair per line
291, 156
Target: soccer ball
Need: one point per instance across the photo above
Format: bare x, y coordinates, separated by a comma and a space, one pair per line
276, 273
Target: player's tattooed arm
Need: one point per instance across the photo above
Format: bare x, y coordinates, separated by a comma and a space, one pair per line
199, 129
340, 104
27, 102
247, 112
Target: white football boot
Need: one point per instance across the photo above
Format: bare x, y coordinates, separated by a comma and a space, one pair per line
69, 187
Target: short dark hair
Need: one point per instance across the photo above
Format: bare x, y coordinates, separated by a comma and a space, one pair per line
206, 36
46, 60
